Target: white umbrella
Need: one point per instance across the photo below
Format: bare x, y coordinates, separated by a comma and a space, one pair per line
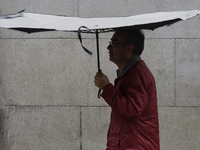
32, 22
37, 22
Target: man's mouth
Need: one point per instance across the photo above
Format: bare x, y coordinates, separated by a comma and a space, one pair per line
110, 54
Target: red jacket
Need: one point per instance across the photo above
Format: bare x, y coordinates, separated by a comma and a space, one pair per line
134, 117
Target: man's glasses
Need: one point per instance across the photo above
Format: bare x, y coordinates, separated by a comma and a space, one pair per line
113, 43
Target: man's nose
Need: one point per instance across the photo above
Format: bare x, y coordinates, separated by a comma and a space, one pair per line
109, 47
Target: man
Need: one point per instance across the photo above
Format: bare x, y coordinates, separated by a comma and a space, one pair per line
133, 99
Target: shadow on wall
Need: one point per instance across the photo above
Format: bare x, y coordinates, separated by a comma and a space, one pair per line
2, 135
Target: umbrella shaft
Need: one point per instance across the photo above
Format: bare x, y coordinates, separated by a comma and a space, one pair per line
98, 59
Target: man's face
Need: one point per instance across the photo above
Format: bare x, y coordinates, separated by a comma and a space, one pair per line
117, 50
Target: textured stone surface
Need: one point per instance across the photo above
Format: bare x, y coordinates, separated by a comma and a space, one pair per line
95, 123
106, 8
187, 76
59, 7
159, 56
43, 72
179, 128
40, 128
89, 8
50, 72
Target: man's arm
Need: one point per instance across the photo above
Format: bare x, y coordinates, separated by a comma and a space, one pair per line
128, 103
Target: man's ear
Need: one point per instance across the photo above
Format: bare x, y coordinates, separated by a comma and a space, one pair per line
130, 49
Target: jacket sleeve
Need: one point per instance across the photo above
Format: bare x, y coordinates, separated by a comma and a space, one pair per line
129, 102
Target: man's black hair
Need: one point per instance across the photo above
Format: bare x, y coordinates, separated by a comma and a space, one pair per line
136, 38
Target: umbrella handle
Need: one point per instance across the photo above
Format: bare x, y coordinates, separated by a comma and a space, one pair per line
99, 94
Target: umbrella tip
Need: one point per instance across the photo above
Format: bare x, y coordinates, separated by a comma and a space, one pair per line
10, 16
22, 11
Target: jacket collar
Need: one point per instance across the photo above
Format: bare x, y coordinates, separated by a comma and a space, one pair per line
128, 66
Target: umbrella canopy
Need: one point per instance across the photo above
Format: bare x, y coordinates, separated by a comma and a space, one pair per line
32, 22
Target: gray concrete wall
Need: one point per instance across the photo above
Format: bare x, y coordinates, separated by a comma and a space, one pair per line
47, 95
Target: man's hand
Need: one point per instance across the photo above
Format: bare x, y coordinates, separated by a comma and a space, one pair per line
101, 80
